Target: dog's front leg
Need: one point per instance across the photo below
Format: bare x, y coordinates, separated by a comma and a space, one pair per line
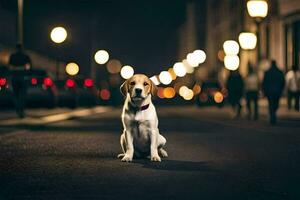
129, 147
153, 147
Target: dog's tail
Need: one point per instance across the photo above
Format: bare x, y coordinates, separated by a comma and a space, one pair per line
121, 155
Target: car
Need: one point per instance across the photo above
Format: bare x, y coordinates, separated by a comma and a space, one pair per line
86, 92
6, 89
66, 93
212, 94
40, 89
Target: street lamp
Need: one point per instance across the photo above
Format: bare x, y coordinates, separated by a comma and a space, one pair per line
179, 69
258, 10
101, 57
247, 40
165, 77
72, 69
231, 62
127, 72
58, 35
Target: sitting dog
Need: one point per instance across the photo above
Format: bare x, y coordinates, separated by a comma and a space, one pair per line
140, 135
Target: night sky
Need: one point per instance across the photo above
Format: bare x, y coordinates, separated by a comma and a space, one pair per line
143, 34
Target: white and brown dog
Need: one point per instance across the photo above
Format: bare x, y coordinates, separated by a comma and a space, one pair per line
140, 135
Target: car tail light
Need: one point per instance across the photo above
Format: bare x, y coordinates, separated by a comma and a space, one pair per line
88, 82
105, 94
70, 83
33, 81
48, 82
3, 81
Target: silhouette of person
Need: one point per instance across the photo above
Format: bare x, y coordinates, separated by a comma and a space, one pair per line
235, 87
252, 88
273, 85
292, 79
19, 61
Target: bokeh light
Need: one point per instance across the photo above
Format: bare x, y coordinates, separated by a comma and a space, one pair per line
189, 69
114, 66
179, 69
169, 92
218, 97
172, 73
196, 89
231, 47
231, 62
160, 92
192, 60
200, 56
101, 57
247, 40
127, 72
165, 77
58, 34
72, 69
257, 8
105, 94
155, 80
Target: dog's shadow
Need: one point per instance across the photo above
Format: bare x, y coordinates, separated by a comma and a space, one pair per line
177, 165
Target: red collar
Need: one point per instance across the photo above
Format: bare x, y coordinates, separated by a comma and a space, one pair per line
135, 109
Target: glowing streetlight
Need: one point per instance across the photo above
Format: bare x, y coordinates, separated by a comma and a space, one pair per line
72, 69
189, 69
247, 40
257, 8
127, 72
58, 34
200, 56
101, 57
231, 47
165, 77
179, 69
232, 62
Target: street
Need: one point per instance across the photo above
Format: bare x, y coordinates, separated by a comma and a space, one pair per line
211, 156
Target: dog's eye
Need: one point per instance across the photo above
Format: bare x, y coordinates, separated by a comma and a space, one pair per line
145, 84
132, 83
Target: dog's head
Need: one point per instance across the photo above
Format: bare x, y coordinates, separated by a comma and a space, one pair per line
138, 87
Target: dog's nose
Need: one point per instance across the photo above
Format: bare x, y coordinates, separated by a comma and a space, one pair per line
138, 91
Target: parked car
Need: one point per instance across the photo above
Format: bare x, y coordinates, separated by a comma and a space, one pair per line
66, 93
212, 94
40, 89
86, 92
6, 90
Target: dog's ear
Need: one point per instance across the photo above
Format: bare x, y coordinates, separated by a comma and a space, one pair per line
124, 88
153, 88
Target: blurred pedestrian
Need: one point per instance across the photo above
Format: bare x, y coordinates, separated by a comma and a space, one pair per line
19, 62
252, 88
273, 85
235, 87
19, 59
292, 80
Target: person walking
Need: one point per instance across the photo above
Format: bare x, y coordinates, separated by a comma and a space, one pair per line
19, 61
273, 85
292, 80
252, 88
235, 87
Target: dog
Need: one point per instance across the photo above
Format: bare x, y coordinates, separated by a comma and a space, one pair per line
140, 137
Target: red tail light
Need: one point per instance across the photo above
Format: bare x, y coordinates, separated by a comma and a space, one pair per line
88, 82
48, 82
3, 81
70, 83
105, 94
33, 81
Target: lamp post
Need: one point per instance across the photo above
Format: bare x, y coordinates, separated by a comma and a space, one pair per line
258, 10
58, 35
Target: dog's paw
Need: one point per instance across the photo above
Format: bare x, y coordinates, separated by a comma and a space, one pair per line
121, 155
127, 158
163, 153
155, 159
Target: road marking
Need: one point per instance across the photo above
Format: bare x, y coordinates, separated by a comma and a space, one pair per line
56, 117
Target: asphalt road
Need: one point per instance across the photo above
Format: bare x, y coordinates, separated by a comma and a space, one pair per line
211, 156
